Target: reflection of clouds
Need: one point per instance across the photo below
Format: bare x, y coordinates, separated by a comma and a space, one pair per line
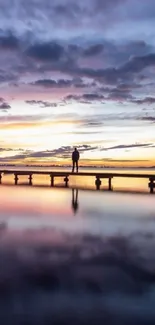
78, 271
3, 226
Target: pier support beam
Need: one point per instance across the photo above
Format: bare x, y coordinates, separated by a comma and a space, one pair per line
66, 180
98, 182
151, 184
110, 183
0, 178
30, 179
52, 180
16, 179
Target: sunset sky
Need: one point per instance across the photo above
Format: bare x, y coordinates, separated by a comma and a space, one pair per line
77, 73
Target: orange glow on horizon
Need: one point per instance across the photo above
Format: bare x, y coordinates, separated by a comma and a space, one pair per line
83, 162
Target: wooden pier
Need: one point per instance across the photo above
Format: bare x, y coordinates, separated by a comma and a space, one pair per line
98, 177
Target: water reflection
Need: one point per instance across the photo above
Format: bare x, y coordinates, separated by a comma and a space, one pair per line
57, 269
75, 204
84, 280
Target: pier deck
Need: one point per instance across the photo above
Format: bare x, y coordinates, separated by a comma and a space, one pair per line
66, 175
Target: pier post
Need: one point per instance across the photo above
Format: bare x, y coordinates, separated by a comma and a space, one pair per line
151, 184
0, 178
110, 184
98, 182
52, 180
66, 180
16, 179
30, 179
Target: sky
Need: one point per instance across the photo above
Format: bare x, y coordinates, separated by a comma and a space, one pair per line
77, 74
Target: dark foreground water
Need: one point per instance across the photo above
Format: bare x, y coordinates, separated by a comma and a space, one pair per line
75, 257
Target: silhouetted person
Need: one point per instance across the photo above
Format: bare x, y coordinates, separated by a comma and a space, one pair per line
75, 204
75, 159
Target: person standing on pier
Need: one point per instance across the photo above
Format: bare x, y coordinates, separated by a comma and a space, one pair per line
75, 159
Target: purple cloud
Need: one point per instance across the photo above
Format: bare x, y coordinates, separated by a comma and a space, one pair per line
128, 146
46, 51
4, 106
94, 50
8, 41
62, 152
89, 52
88, 97
41, 103
146, 100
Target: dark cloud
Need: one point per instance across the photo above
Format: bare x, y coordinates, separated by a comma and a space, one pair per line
137, 64
128, 146
93, 97
72, 97
109, 75
123, 92
115, 75
41, 103
50, 83
120, 94
120, 53
46, 51
122, 88
114, 94
93, 50
10, 149
63, 57
78, 83
7, 76
128, 87
85, 98
57, 42
63, 83
146, 100
147, 118
62, 152
4, 105
8, 41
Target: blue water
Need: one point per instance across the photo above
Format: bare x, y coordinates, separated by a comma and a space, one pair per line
76, 257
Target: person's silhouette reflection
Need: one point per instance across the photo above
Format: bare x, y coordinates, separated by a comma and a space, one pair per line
75, 203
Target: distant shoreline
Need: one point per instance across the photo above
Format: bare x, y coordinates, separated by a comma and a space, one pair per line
69, 166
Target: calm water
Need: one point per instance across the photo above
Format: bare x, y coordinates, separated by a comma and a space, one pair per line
76, 257
140, 185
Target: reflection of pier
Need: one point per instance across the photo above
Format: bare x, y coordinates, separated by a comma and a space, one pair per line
98, 177
75, 203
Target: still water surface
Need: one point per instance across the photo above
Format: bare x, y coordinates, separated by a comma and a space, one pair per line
76, 257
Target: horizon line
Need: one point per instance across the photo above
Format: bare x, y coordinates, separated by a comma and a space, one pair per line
80, 166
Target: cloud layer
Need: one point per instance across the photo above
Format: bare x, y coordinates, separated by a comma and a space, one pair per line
54, 55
